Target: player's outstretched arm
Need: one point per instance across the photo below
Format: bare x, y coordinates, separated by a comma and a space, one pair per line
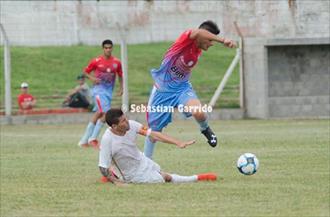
165, 138
168, 139
203, 34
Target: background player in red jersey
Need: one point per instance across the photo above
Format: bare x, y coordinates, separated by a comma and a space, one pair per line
106, 68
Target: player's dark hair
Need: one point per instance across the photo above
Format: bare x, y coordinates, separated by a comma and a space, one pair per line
210, 26
107, 41
112, 116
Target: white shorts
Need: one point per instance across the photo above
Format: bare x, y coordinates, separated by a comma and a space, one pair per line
148, 172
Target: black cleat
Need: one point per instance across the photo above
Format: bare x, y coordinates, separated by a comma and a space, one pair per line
211, 137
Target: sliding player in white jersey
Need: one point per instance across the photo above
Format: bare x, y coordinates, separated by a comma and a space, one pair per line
118, 148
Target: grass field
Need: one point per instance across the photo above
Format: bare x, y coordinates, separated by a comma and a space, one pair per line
44, 173
51, 71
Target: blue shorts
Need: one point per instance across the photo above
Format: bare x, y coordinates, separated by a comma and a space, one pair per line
158, 120
105, 96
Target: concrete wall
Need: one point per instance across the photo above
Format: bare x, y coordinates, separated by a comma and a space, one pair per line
299, 80
255, 78
89, 22
287, 77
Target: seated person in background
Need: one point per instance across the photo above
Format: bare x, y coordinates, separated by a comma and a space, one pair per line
79, 97
25, 100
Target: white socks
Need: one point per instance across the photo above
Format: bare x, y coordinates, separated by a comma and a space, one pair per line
182, 179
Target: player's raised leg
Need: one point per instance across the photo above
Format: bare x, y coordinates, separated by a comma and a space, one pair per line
201, 119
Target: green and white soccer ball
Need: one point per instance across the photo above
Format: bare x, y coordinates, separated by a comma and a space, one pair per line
248, 164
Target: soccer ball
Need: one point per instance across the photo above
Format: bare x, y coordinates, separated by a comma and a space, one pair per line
248, 164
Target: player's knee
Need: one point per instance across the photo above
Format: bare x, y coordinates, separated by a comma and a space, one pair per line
98, 114
199, 115
102, 117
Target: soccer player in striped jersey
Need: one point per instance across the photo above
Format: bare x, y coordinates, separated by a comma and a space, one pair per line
171, 81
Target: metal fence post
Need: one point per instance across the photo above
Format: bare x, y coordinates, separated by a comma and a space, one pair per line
7, 74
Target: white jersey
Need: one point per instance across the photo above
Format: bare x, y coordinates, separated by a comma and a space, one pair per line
124, 154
